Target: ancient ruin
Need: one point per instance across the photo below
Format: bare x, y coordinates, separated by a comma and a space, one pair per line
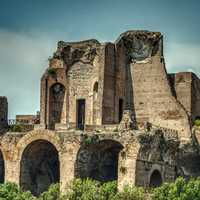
109, 111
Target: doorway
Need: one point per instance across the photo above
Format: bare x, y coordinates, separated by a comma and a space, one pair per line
80, 114
120, 109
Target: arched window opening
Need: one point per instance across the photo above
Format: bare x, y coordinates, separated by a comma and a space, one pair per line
121, 109
98, 161
56, 101
39, 167
156, 179
2, 169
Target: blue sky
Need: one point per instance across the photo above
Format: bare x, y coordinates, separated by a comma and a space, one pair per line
30, 29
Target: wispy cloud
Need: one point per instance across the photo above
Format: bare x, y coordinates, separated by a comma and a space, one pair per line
23, 58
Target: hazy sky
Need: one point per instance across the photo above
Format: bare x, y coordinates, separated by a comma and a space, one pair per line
30, 29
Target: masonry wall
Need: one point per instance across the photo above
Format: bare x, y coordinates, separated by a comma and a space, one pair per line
154, 100
186, 87
120, 76
47, 82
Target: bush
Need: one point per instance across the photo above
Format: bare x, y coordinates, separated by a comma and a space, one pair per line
131, 193
10, 191
180, 190
53, 193
197, 122
16, 128
51, 72
94, 190
91, 190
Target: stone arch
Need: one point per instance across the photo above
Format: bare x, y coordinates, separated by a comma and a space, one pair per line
39, 166
56, 104
98, 161
155, 179
2, 168
95, 102
31, 136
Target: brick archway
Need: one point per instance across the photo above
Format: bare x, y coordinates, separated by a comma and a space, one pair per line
31, 136
49, 137
155, 179
39, 166
98, 161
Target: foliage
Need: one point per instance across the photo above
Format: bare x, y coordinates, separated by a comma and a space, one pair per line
197, 122
130, 193
180, 190
51, 72
89, 139
16, 128
91, 190
53, 193
10, 191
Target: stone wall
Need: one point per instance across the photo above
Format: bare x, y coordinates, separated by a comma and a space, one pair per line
129, 74
186, 87
38, 158
149, 93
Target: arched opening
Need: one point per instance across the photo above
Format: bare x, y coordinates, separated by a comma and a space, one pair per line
56, 102
2, 169
95, 103
39, 167
98, 161
156, 179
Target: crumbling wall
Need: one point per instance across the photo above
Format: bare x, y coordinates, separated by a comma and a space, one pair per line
152, 97
186, 87
51, 78
157, 154
82, 77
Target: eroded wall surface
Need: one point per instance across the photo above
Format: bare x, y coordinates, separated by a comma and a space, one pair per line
36, 159
110, 78
186, 87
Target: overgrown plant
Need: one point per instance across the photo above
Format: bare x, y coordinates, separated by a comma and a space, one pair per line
197, 122
51, 72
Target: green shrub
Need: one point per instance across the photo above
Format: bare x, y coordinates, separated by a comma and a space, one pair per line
89, 139
180, 190
53, 193
197, 122
16, 128
51, 72
91, 190
10, 191
131, 193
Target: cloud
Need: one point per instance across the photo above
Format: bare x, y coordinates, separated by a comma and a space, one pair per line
183, 57
23, 59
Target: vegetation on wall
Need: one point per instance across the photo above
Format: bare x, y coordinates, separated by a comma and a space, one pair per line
197, 122
51, 72
93, 190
